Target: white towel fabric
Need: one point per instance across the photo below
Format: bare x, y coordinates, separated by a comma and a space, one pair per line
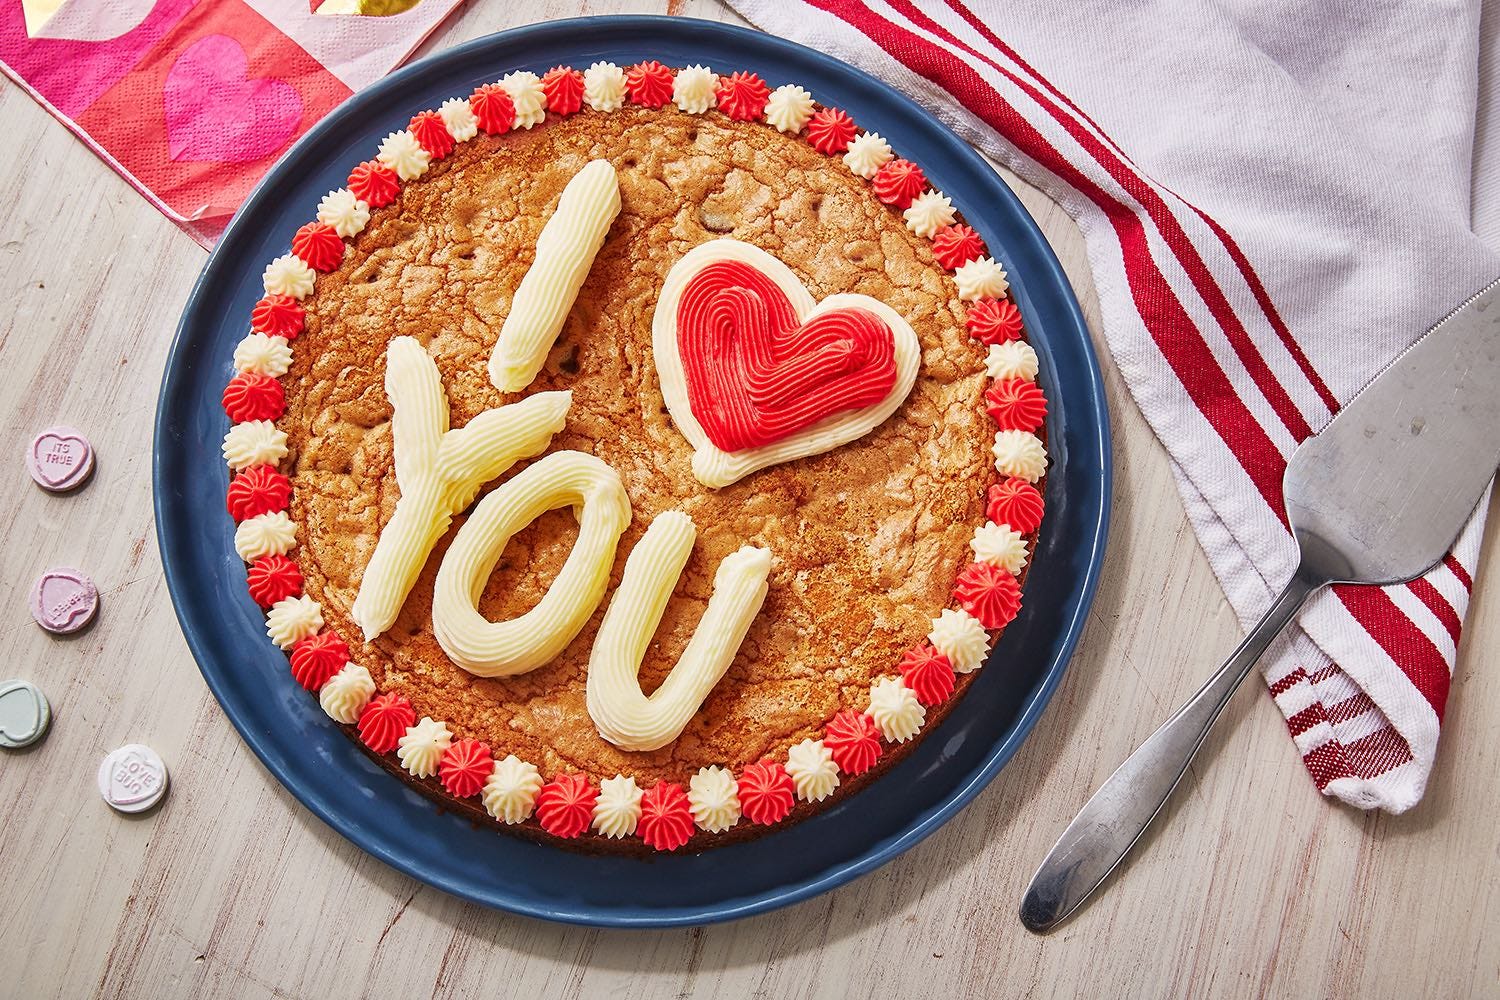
1276, 201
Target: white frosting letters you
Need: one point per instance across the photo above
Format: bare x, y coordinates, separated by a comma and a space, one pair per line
440, 470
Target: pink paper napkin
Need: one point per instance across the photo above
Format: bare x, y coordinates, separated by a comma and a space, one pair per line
192, 102
1275, 199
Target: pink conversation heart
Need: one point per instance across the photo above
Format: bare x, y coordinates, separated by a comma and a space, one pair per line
215, 113
64, 600
60, 459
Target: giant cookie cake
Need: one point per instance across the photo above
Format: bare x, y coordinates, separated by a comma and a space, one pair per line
636, 459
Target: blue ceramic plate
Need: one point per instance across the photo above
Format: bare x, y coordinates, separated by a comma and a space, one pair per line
332, 777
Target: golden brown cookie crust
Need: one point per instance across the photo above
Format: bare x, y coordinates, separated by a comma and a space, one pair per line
865, 541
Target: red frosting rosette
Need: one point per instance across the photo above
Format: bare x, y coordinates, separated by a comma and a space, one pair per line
273, 578
565, 805
830, 130
431, 133
465, 766
259, 489
766, 792
317, 658
989, 593
853, 740
994, 321
385, 719
956, 245
649, 84
253, 396
563, 87
493, 109
742, 96
278, 316
319, 246
928, 673
898, 182
374, 183
1015, 502
1016, 404
666, 818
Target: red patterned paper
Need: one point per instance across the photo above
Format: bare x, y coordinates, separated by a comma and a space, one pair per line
193, 102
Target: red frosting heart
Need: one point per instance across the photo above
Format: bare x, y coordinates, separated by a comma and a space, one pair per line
755, 374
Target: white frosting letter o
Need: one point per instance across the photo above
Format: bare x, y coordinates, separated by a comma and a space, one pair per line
504, 649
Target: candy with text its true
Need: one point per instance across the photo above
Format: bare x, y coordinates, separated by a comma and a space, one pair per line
60, 459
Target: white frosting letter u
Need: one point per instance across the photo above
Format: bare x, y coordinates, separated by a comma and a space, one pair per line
623, 713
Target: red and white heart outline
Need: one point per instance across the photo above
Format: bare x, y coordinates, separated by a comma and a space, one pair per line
715, 467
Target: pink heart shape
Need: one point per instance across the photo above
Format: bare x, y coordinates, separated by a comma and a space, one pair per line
216, 113
58, 456
64, 599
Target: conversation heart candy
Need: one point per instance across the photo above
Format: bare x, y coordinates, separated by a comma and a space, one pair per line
64, 600
133, 778
60, 459
24, 714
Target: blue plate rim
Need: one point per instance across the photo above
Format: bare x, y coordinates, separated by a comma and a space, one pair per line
1092, 393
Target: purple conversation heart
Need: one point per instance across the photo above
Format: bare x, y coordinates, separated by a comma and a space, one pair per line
64, 600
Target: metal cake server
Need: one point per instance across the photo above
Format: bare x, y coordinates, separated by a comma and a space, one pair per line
1378, 496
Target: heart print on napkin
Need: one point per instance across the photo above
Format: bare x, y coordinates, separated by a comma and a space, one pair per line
193, 102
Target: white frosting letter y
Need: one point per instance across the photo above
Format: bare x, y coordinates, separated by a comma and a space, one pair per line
439, 471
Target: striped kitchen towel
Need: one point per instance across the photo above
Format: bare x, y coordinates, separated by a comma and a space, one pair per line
1275, 198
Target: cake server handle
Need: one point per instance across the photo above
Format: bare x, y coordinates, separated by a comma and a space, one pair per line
1112, 821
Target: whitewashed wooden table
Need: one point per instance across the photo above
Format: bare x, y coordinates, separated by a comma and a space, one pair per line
1254, 885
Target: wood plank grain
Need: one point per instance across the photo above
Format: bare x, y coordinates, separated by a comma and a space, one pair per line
1253, 886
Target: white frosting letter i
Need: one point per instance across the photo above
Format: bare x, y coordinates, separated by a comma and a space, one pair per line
564, 253
439, 471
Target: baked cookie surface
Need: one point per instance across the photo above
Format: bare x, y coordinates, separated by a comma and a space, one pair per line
895, 558
865, 540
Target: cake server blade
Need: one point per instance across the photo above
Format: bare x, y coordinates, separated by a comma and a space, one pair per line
1378, 496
